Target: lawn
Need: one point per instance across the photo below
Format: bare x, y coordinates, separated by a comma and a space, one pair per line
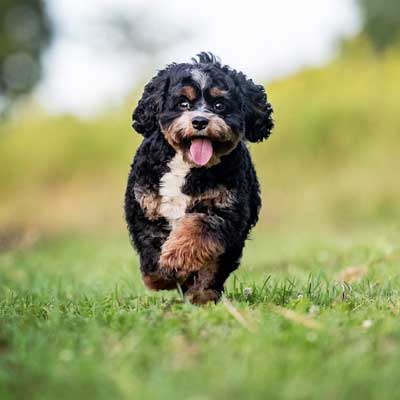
308, 316
313, 312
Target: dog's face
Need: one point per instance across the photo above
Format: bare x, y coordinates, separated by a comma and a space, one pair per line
202, 115
203, 110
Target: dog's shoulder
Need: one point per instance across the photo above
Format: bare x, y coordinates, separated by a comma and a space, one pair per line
153, 151
151, 161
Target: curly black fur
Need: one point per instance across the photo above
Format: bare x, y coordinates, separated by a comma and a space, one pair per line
247, 114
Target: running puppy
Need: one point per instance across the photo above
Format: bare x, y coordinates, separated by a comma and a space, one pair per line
192, 194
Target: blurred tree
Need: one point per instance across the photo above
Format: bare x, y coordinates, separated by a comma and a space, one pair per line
381, 21
25, 32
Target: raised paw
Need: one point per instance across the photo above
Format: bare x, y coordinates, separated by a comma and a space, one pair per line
181, 255
189, 247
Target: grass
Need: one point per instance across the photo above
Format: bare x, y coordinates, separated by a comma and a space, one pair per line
75, 322
312, 313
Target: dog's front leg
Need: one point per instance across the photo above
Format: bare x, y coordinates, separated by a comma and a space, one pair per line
192, 245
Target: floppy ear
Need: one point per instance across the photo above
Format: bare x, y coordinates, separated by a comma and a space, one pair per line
257, 110
145, 116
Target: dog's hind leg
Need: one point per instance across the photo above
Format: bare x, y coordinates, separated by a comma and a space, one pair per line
149, 261
156, 282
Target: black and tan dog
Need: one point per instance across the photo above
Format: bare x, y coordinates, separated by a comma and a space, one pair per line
193, 194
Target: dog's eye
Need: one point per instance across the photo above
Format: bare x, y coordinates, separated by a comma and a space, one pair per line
184, 105
219, 106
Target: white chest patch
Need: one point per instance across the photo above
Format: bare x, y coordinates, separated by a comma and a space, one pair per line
173, 201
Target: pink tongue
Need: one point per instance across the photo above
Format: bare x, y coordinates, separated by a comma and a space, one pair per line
201, 151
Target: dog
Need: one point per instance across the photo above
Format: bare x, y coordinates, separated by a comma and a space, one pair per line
192, 195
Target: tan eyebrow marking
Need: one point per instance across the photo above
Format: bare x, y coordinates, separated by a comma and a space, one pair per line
189, 92
216, 92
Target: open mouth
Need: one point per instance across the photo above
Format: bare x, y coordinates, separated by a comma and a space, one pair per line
201, 150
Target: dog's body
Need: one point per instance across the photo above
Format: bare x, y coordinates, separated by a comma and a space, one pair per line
192, 194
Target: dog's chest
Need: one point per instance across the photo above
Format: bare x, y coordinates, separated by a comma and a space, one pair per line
173, 201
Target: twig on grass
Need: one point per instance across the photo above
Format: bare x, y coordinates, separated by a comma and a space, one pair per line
180, 291
296, 317
237, 315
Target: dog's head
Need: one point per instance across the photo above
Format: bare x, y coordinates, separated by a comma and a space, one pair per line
203, 109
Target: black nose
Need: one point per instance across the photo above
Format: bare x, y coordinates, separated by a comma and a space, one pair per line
199, 123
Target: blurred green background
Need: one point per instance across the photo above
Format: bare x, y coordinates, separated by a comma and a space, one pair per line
331, 163
313, 311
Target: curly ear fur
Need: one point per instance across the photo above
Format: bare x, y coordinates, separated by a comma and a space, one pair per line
145, 116
257, 110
